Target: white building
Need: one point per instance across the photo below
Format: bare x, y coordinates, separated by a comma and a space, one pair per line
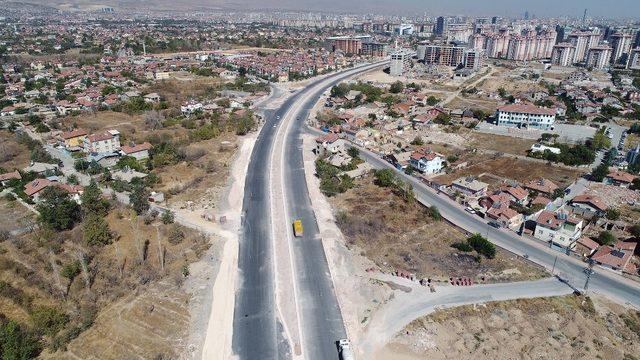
426, 162
558, 228
108, 142
621, 44
526, 116
400, 61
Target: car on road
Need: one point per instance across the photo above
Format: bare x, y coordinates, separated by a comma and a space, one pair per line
469, 210
588, 271
298, 229
495, 224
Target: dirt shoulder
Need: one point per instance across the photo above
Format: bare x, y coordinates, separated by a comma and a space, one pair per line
565, 327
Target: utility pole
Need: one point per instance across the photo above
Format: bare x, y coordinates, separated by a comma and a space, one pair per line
589, 272
554, 265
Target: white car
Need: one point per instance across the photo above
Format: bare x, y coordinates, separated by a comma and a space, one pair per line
469, 210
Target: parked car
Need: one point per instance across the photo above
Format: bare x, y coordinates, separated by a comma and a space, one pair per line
495, 224
469, 210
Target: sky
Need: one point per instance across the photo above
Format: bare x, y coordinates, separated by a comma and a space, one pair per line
542, 8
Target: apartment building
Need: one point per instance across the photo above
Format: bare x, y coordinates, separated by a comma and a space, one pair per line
526, 116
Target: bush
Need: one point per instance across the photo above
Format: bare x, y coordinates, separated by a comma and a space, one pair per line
167, 217
482, 246
18, 343
48, 321
434, 213
462, 246
176, 235
139, 199
605, 238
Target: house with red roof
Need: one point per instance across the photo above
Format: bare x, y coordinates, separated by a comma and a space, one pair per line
139, 152
74, 138
617, 257
560, 229
329, 143
34, 189
6, 177
517, 194
523, 115
542, 185
506, 216
426, 161
620, 178
102, 143
589, 205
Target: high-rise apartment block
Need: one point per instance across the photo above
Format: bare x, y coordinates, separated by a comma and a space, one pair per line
528, 45
563, 54
400, 61
598, 57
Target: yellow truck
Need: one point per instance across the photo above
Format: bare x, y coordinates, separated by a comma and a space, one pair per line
298, 230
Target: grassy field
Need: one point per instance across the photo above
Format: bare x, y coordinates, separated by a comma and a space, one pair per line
399, 235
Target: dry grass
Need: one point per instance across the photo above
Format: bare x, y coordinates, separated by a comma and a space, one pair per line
399, 235
566, 327
632, 141
12, 154
505, 144
505, 167
14, 216
126, 272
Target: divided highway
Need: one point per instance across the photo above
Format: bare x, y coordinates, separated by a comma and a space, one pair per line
257, 331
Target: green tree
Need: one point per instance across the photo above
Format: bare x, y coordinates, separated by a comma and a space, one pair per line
432, 100
417, 141
635, 230
396, 87
17, 343
129, 162
353, 152
482, 246
605, 238
48, 320
139, 199
600, 141
93, 202
71, 270
57, 210
613, 214
385, 178
167, 217
434, 213
599, 173
96, 230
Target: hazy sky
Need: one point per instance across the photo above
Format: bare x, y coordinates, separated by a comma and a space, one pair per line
596, 8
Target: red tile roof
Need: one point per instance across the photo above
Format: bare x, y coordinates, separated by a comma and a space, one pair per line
542, 185
517, 192
527, 109
136, 148
329, 138
617, 256
36, 186
74, 133
621, 176
588, 243
11, 175
591, 200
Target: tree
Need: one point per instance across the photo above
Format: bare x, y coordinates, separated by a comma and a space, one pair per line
605, 238
396, 87
613, 214
385, 178
635, 231
129, 162
599, 173
600, 141
71, 270
57, 210
482, 246
339, 90
167, 217
139, 199
93, 202
432, 100
353, 152
442, 118
18, 343
96, 230
417, 141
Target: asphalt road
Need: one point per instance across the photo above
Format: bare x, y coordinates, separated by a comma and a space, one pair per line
604, 281
257, 333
